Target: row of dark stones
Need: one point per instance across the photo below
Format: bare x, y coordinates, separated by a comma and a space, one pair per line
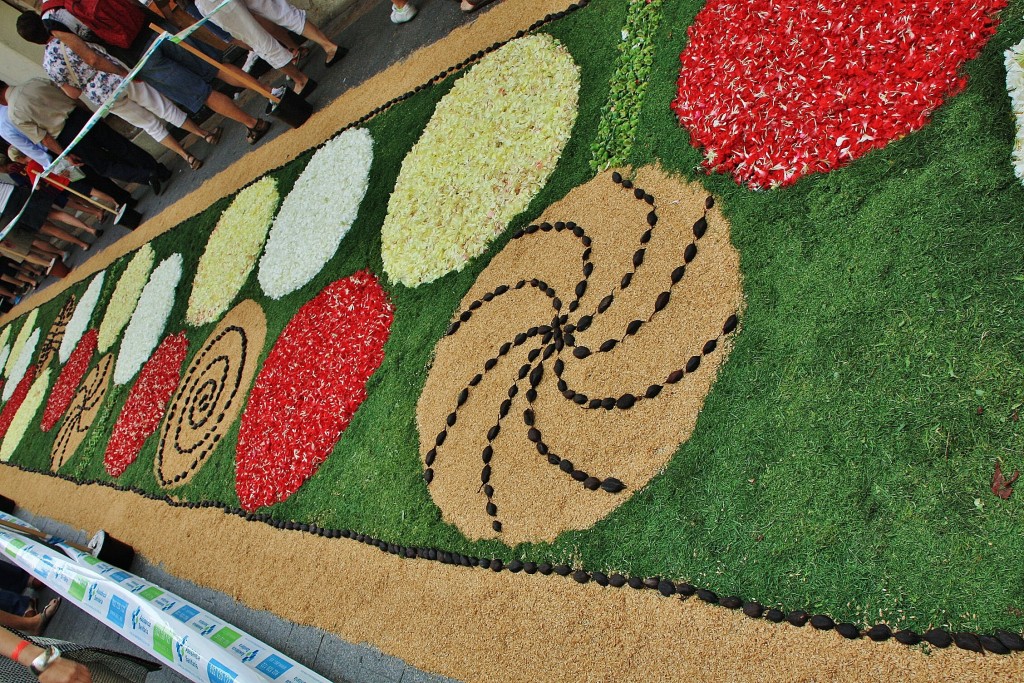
1000, 642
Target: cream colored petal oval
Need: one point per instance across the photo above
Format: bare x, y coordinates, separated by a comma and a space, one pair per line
490, 146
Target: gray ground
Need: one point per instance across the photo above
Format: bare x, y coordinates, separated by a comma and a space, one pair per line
374, 43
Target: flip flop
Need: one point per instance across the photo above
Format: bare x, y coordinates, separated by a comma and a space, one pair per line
48, 613
300, 55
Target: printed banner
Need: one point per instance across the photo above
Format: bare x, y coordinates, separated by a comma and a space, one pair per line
176, 632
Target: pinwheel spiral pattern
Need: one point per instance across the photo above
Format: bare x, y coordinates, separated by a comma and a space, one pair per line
580, 359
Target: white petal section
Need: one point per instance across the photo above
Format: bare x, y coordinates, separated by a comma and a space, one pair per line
489, 148
148, 322
19, 342
79, 322
21, 363
1015, 88
317, 213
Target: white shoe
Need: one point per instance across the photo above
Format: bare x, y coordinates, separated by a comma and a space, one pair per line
402, 15
250, 60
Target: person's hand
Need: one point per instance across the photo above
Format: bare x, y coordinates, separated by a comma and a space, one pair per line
75, 160
65, 671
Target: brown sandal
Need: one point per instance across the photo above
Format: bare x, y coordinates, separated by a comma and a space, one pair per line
257, 132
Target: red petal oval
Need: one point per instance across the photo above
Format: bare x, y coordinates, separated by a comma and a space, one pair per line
17, 398
775, 90
309, 387
146, 404
67, 382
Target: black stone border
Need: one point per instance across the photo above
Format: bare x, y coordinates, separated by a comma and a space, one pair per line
1001, 642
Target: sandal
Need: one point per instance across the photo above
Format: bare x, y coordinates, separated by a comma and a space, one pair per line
213, 137
300, 55
47, 615
257, 132
193, 162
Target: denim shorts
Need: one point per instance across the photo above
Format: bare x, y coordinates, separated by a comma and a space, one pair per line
180, 76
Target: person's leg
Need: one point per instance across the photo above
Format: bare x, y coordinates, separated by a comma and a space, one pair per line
109, 152
52, 230
287, 16
44, 250
236, 19
82, 206
101, 187
71, 221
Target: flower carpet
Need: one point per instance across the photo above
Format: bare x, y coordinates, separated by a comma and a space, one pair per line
643, 303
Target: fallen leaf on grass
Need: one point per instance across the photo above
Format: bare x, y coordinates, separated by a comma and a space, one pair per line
1001, 486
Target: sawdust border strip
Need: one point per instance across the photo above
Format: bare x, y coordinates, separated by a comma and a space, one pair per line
1002, 642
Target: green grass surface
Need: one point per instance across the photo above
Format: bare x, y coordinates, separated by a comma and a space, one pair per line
839, 464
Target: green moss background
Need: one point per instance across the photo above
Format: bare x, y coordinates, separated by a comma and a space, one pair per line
840, 464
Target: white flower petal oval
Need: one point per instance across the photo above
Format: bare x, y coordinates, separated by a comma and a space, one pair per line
21, 363
125, 297
79, 322
317, 213
19, 342
148, 322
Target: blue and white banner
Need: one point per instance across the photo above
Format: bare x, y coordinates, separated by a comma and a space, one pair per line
179, 634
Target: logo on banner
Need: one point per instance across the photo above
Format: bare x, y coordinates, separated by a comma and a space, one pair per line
218, 673
273, 666
117, 612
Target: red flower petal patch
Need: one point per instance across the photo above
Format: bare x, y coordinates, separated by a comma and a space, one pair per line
310, 386
70, 377
776, 89
17, 398
146, 404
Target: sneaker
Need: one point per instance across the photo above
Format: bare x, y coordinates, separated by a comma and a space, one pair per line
250, 60
402, 15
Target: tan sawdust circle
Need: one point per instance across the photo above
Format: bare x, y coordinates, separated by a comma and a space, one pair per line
51, 343
210, 394
82, 412
536, 500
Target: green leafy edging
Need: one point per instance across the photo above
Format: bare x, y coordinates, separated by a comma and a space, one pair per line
621, 113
